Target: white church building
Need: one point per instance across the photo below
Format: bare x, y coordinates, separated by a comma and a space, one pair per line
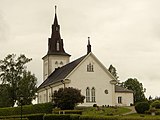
86, 73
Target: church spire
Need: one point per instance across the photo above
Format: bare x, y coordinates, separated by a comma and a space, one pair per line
88, 46
55, 43
55, 18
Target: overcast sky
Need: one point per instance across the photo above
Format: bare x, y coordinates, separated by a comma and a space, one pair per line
124, 33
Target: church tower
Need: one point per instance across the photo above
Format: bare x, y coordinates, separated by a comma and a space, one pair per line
56, 55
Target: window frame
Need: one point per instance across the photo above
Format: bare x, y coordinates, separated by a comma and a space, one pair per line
87, 94
119, 99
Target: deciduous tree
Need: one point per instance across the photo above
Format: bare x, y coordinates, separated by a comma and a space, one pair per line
67, 98
12, 73
137, 87
27, 88
5, 100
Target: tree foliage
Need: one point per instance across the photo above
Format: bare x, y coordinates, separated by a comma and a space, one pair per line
12, 73
156, 104
113, 71
5, 100
141, 107
27, 86
67, 98
136, 87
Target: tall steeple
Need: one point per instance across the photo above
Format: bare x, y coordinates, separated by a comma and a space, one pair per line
88, 46
55, 43
56, 56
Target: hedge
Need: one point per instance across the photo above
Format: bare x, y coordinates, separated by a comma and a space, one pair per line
55, 111
79, 117
15, 119
98, 118
84, 117
27, 109
29, 117
56, 117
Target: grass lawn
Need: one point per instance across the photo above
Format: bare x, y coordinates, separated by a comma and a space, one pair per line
104, 111
141, 117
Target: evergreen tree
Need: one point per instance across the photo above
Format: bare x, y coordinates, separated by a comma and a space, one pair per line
113, 71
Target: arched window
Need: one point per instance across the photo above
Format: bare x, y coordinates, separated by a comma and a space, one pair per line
93, 94
87, 94
61, 63
90, 68
56, 62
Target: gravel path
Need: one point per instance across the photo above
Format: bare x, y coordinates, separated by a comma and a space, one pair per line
132, 110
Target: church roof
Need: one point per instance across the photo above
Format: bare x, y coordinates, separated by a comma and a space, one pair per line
122, 89
60, 73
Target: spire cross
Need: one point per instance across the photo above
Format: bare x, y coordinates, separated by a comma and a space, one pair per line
89, 40
55, 9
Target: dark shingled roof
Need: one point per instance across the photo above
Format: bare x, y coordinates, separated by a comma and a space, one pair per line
122, 89
61, 73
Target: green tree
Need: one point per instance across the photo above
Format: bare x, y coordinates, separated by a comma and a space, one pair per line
67, 98
27, 88
136, 87
113, 71
5, 100
12, 73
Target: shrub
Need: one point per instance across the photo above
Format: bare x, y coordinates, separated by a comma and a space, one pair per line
68, 98
27, 109
94, 105
156, 104
141, 107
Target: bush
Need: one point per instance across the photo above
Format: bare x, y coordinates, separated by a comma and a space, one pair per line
156, 104
94, 105
68, 98
27, 109
141, 107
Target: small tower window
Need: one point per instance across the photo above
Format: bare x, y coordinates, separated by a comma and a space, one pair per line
56, 62
90, 68
61, 63
57, 45
56, 28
